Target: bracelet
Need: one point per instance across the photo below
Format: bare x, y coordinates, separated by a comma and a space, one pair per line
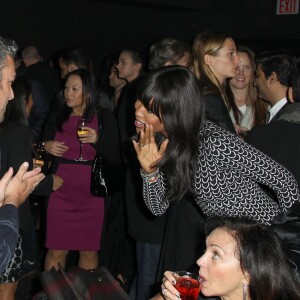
152, 177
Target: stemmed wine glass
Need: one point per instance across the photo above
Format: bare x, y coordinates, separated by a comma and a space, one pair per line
39, 154
81, 131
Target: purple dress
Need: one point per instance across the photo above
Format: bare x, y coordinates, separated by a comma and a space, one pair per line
74, 216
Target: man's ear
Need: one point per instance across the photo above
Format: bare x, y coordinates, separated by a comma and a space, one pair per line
290, 94
273, 78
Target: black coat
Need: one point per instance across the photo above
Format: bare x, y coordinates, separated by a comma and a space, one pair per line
142, 224
280, 139
15, 147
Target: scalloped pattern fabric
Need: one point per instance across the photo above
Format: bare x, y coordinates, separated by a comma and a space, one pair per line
226, 182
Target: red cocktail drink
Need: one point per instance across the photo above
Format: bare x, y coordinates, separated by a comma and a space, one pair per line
188, 285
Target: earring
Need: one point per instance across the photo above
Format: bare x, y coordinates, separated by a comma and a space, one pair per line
245, 288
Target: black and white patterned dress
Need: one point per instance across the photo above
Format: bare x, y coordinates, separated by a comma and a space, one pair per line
226, 183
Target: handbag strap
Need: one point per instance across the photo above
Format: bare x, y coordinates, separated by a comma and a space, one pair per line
100, 122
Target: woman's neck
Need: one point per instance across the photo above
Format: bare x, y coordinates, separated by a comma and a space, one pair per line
240, 96
77, 112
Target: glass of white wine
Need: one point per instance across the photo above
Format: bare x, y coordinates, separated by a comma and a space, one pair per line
80, 132
39, 154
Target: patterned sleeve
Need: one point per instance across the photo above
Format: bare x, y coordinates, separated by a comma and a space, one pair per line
232, 153
154, 191
9, 229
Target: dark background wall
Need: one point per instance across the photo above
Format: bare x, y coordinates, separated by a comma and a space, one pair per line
103, 27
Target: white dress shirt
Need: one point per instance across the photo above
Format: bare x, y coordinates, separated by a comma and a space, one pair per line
276, 108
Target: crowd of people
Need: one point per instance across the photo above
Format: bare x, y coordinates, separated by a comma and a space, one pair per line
205, 141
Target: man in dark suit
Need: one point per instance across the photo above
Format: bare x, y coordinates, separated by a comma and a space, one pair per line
12, 192
280, 139
272, 77
45, 84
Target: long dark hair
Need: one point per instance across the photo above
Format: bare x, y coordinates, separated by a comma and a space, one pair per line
15, 109
173, 95
89, 94
262, 257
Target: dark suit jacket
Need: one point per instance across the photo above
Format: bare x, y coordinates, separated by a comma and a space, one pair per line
280, 139
15, 145
280, 112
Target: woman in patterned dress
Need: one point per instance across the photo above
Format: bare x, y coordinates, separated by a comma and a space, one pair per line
222, 172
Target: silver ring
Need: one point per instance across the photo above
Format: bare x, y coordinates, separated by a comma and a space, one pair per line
163, 290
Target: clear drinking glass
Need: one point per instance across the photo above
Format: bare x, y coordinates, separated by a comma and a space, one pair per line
39, 154
188, 285
81, 131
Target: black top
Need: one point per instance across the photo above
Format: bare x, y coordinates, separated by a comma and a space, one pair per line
142, 224
216, 109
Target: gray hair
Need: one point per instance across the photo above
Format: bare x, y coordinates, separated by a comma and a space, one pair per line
7, 47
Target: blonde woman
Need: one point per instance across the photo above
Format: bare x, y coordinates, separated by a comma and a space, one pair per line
214, 59
246, 110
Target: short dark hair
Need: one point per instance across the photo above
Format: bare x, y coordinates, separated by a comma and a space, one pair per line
280, 62
76, 56
260, 254
168, 49
7, 47
173, 94
295, 83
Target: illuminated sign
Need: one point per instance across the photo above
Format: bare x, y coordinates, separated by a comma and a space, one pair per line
287, 7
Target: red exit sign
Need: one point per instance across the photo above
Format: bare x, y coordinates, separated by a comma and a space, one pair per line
287, 7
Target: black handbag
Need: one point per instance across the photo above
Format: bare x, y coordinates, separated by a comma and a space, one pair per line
106, 178
98, 183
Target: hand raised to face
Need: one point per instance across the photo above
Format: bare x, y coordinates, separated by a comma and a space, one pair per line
147, 150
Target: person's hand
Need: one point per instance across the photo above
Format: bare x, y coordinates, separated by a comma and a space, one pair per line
167, 288
21, 185
4, 182
241, 130
90, 137
147, 151
56, 148
57, 182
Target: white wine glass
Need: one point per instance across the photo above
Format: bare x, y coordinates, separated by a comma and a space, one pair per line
80, 132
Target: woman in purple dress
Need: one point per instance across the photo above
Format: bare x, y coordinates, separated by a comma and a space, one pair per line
74, 216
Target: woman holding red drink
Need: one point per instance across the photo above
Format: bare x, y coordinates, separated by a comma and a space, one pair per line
234, 267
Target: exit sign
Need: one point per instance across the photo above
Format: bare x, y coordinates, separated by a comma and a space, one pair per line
287, 7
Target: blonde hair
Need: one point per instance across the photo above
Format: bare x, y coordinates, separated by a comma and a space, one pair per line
207, 43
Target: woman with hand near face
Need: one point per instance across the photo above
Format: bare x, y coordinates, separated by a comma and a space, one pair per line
74, 216
245, 109
202, 159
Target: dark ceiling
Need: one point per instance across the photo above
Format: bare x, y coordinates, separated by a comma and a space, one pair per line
170, 5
